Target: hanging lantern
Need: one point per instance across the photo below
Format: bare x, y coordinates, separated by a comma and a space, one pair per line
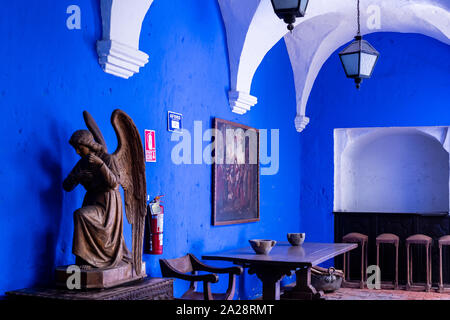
288, 10
359, 58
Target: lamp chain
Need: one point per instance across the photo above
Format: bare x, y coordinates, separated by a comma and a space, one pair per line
359, 23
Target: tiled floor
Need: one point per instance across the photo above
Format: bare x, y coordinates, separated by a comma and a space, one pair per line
370, 294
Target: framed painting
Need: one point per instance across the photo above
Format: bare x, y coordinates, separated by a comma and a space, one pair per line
235, 173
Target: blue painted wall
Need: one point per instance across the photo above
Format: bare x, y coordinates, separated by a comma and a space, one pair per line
409, 87
50, 74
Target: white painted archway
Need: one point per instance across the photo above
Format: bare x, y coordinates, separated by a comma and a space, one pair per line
253, 29
118, 50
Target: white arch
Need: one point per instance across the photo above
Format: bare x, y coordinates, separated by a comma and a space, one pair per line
419, 18
253, 29
118, 50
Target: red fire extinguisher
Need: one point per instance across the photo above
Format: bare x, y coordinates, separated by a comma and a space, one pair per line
156, 212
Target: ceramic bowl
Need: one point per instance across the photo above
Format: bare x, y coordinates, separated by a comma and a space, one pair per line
296, 239
262, 246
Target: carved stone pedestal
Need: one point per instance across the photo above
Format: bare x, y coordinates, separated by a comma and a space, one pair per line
144, 289
97, 278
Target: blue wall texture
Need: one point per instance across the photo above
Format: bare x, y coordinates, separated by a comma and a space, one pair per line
50, 74
409, 87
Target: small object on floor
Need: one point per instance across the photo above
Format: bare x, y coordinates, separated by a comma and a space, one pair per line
326, 280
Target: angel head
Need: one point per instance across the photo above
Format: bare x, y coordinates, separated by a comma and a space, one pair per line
83, 142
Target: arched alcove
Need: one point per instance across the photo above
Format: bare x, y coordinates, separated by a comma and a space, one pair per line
398, 170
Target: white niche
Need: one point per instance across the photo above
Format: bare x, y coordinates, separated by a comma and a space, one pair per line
395, 169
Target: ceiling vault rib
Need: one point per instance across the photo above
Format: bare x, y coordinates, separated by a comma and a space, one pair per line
253, 29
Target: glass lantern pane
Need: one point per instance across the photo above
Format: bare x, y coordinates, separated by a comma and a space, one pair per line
350, 62
353, 47
367, 47
303, 5
367, 64
285, 4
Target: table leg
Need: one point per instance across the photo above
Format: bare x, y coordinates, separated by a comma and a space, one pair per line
270, 278
303, 289
271, 289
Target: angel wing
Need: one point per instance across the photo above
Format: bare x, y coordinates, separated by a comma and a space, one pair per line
94, 129
130, 160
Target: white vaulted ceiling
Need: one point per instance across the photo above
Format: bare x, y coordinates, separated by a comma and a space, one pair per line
253, 29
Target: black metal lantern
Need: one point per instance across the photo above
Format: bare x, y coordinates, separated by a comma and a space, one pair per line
288, 10
359, 58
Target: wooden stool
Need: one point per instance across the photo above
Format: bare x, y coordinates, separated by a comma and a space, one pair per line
443, 241
362, 240
420, 239
391, 239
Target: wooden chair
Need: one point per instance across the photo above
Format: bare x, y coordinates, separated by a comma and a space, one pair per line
362, 241
443, 241
418, 239
389, 238
180, 268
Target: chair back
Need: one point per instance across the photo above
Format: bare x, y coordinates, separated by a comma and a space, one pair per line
182, 265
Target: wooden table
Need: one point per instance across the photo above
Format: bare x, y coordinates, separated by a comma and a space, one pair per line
281, 261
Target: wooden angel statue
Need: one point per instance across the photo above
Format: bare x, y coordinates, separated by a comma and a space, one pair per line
98, 240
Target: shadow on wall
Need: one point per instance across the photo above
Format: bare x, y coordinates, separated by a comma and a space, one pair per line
51, 196
51, 201
35, 235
